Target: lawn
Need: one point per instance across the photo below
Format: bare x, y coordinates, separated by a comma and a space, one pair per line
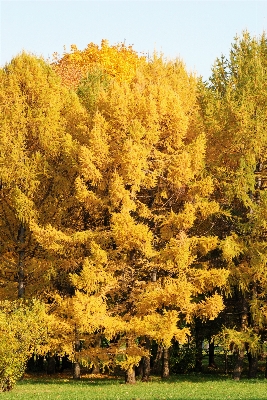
191, 386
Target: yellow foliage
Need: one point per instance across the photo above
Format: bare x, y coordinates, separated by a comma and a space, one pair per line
176, 223
207, 208
87, 197
130, 355
49, 237
206, 280
176, 293
210, 307
118, 61
180, 172
119, 196
126, 192
204, 244
231, 247
88, 168
239, 340
177, 255
139, 237
154, 326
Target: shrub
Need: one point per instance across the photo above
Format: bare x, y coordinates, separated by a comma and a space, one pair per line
22, 329
182, 359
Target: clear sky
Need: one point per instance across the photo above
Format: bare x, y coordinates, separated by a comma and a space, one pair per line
196, 31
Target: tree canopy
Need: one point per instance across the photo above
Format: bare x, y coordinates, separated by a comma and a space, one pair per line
132, 201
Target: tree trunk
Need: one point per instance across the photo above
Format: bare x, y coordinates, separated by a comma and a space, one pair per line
146, 369
76, 365
239, 365
199, 355
76, 370
21, 260
225, 362
139, 370
212, 354
31, 363
157, 364
57, 359
165, 363
199, 340
40, 363
253, 358
96, 369
66, 363
96, 366
265, 374
130, 372
130, 375
241, 352
51, 365
252, 366
146, 361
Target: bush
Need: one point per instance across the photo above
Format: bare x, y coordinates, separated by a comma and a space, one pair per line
182, 359
22, 329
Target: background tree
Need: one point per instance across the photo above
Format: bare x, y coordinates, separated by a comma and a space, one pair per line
233, 103
118, 61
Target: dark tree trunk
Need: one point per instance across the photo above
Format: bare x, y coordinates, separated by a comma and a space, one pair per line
157, 364
31, 363
51, 365
57, 359
96, 366
252, 365
239, 365
139, 368
265, 374
130, 372
199, 339
76, 370
212, 354
226, 362
130, 376
199, 356
146, 369
76, 364
96, 369
40, 363
146, 361
253, 358
21, 261
165, 363
66, 363
241, 352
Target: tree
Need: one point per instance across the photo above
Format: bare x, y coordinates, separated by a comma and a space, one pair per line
108, 209
233, 104
147, 201
37, 140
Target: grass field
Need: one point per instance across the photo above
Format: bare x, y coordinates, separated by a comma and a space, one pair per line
192, 386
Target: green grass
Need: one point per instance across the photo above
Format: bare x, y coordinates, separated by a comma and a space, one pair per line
191, 386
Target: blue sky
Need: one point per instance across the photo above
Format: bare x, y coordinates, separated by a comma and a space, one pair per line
195, 31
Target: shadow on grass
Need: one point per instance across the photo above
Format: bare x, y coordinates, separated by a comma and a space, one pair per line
113, 380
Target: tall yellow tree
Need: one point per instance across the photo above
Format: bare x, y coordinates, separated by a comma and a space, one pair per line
37, 142
146, 198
